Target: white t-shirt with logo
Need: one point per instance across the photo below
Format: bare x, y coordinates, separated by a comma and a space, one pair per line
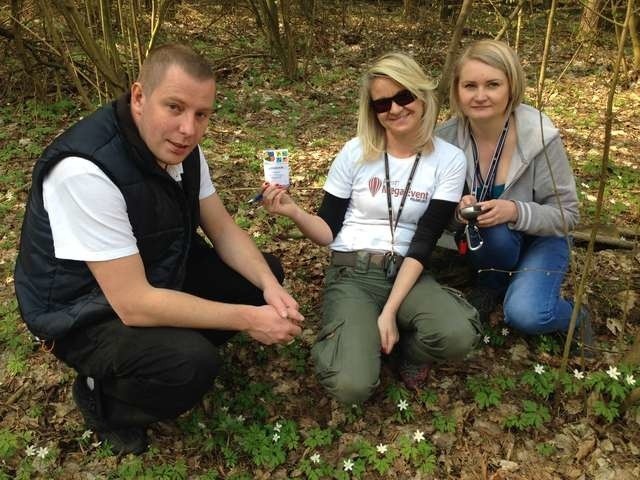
88, 213
439, 175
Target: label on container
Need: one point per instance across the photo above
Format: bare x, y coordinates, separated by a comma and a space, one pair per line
276, 166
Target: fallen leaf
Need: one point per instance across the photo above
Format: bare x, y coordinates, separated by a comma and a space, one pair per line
509, 466
62, 409
614, 325
585, 448
628, 299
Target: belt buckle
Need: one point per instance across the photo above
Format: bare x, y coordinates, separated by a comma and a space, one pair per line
363, 259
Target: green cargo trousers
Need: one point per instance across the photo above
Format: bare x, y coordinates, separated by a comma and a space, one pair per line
436, 324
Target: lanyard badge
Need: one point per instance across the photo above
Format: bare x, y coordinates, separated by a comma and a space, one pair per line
392, 260
472, 232
482, 189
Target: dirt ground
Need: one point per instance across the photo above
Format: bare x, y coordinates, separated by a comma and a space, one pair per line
314, 117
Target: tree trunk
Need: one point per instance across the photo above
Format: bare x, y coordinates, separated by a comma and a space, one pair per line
635, 41
589, 19
281, 41
409, 9
115, 79
290, 60
308, 10
443, 86
27, 66
581, 286
107, 35
158, 14
447, 9
67, 59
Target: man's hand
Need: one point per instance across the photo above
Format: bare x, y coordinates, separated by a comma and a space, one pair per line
389, 335
284, 304
268, 326
495, 212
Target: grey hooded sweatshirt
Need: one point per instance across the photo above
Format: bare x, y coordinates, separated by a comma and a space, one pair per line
530, 178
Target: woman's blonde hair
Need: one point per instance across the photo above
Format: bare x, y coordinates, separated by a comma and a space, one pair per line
404, 70
498, 55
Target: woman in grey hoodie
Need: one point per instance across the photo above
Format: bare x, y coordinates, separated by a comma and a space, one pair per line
519, 176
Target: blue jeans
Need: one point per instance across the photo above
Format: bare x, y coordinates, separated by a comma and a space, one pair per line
532, 303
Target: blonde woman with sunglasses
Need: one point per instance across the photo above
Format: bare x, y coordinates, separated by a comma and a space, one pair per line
389, 193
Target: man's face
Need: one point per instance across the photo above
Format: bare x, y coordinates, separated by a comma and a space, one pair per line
173, 117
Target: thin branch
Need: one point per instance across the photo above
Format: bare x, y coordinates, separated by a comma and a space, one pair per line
545, 54
451, 51
509, 20
602, 183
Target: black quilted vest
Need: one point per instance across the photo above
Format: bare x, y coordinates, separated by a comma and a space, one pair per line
56, 296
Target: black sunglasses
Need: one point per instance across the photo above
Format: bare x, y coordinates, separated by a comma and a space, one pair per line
402, 98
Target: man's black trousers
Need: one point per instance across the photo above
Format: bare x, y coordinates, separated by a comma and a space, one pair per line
143, 375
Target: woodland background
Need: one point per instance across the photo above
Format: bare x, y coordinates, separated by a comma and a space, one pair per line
288, 76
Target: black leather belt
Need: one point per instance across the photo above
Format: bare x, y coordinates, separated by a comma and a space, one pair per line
351, 259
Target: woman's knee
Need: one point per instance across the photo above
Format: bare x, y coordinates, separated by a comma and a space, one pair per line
526, 317
501, 248
349, 389
458, 342
450, 342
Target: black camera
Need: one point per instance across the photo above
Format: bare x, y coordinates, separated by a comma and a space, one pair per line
471, 212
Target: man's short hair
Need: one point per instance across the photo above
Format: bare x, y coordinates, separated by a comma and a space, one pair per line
161, 58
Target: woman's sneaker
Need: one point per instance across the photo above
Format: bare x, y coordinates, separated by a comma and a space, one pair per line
485, 300
121, 440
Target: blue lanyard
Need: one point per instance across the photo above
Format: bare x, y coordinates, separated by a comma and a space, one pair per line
479, 188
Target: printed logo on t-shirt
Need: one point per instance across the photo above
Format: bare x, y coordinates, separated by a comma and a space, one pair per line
375, 184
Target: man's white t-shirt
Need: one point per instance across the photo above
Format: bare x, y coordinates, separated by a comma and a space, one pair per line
439, 175
88, 213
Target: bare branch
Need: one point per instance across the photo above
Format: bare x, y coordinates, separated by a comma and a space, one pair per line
451, 52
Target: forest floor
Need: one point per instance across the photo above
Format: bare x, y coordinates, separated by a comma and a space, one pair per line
496, 415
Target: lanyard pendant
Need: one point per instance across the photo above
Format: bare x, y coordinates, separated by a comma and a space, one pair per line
474, 239
391, 265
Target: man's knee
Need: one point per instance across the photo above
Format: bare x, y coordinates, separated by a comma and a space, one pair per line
275, 265
198, 364
190, 376
170, 358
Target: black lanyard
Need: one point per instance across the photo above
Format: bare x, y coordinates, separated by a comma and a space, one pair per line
387, 180
482, 189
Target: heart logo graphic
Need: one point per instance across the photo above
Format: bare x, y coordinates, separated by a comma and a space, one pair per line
374, 185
